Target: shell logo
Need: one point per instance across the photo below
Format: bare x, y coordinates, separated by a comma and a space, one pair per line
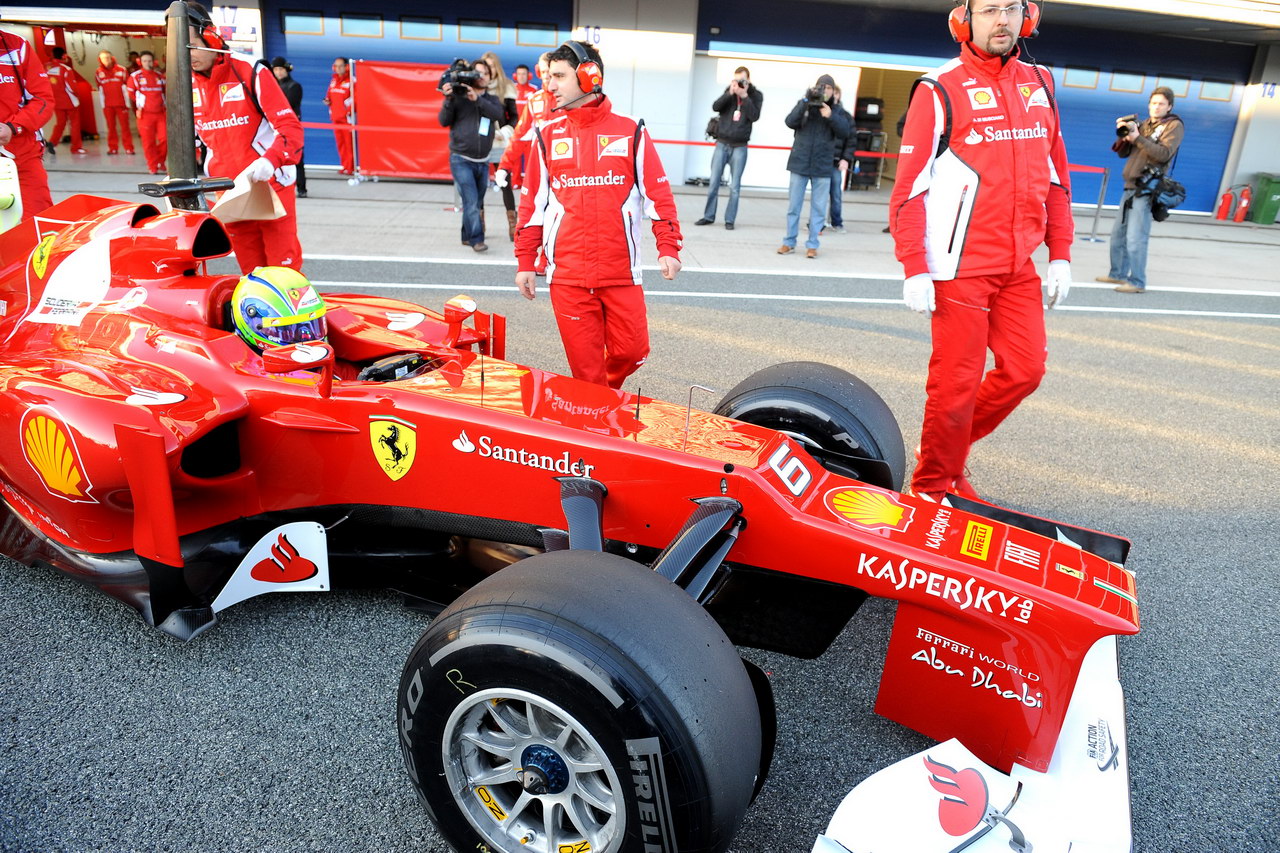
982, 98
870, 509
53, 455
562, 147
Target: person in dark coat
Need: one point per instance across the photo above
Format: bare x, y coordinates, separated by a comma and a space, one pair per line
840, 168
820, 133
293, 93
738, 108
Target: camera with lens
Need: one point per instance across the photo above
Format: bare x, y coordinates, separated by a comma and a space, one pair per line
1121, 130
814, 97
460, 74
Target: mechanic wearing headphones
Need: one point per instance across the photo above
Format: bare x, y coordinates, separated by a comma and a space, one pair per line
26, 103
246, 123
592, 176
982, 182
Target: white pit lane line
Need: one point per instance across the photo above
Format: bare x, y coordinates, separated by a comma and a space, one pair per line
779, 297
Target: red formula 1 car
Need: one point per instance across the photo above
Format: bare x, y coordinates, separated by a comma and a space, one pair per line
596, 554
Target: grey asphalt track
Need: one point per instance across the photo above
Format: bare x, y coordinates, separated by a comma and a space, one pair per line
274, 730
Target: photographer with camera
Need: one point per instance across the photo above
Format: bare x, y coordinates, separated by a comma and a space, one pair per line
820, 134
738, 108
472, 116
1147, 146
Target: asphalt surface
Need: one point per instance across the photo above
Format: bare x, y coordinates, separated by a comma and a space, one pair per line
274, 731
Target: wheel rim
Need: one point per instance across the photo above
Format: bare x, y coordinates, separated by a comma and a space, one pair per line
529, 776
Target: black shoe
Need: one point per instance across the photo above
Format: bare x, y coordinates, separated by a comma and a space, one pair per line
302, 193
704, 221
728, 226
53, 152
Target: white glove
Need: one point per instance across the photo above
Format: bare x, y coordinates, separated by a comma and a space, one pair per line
917, 293
260, 170
501, 178
1058, 282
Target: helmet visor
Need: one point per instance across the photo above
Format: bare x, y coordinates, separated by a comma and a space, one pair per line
295, 329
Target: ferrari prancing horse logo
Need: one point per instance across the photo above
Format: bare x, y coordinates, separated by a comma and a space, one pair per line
395, 443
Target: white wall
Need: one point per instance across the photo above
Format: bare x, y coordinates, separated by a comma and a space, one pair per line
782, 83
1255, 149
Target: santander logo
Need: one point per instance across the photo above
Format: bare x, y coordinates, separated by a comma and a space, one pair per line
964, 797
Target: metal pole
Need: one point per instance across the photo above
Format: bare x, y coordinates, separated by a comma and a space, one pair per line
180, 119
1093, 236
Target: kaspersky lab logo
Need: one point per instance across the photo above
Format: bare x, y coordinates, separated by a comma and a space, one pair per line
965, 806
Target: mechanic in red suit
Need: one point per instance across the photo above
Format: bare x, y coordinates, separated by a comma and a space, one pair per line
147, 86
338, 98
536, 113
968, 210
65, 101
523, 87
26, 103
112, 93
593, 175
247, 125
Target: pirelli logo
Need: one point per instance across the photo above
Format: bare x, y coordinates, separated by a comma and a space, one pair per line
653, 801
977, 540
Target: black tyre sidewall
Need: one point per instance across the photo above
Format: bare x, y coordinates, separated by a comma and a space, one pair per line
496, 640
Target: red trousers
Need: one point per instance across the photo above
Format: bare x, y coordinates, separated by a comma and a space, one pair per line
28, 159
155, 139
1003, 313
269, 242
605, 331
346, 154
118, 116
72, 115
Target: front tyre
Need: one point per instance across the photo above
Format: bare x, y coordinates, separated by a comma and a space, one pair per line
576, 701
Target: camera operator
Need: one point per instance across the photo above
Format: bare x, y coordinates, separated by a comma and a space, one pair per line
739, 108
1154, 143
820, 134
472, 116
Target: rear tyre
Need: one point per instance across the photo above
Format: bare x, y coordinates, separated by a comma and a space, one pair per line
826, 409
577, 701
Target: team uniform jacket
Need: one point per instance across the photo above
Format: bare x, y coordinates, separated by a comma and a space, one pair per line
536, 113
26, 98
592, 176
998, 188
339, 95
148, 90
111, 85
234, 131
64, 94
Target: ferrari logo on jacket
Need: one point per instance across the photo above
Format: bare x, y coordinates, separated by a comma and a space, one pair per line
395, 444
615, 146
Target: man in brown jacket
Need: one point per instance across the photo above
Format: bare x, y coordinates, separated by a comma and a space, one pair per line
1153, 143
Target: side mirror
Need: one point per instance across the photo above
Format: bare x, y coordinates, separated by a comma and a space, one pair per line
304, 356
456, 312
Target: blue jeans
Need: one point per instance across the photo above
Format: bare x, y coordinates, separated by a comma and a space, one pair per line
736, 158
472, 180
819, 197
837, 197
1129, 238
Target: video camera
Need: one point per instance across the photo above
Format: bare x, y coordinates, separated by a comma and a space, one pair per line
814, 97
1121, 130
460, 73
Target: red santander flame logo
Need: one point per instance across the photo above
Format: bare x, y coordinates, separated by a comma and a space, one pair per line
964, 797
285, 565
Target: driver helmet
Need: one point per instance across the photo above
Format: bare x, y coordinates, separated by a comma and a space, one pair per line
275, 306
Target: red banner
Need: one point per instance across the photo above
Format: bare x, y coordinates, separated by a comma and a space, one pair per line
399, 95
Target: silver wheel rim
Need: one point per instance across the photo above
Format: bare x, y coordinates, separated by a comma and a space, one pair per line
528, 776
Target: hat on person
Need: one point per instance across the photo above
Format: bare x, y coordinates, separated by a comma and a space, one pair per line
281, 62
827, 80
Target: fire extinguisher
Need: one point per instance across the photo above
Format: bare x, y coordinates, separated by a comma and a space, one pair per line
1224, 206
1243, 207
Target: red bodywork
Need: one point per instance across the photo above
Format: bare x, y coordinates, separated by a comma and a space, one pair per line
132, 422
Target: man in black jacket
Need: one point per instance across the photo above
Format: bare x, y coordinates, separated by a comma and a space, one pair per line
820, 131
840, 168
472, 116
293, 94
739, 108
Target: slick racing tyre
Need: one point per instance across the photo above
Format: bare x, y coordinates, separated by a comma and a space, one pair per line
836, 415
576, 701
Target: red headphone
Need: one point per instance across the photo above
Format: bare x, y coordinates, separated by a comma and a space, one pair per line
204, 25
962, 30
590, 76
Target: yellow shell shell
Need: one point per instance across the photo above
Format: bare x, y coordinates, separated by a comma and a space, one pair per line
50, 452
869, 508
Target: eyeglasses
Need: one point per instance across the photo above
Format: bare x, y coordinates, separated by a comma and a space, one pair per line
993, 12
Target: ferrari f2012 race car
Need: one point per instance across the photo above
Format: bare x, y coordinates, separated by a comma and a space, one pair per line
593, 555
